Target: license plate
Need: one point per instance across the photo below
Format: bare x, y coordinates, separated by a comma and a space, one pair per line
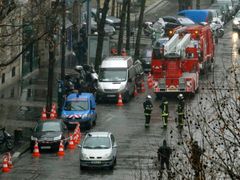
111, 95
45, 147
72, 122
96, 162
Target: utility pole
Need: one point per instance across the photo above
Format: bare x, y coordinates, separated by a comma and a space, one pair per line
63, 50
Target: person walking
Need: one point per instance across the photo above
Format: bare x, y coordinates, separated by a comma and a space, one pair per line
180, 110
148, 106
164, 153
195, 159
164, 107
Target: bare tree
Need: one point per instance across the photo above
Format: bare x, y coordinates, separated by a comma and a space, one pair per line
139, 32
101, 33
128, 27
122, 26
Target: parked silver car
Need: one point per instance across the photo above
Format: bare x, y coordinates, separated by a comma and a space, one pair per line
98, 149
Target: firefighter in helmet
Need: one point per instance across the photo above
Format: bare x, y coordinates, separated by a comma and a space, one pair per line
148, 106
180, 110
164, 107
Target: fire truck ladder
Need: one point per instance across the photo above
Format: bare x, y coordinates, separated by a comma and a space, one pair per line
176, 46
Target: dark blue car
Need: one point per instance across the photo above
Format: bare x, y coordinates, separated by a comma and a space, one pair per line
80, 108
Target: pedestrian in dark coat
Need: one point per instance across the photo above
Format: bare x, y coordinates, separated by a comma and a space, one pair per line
164, 153
196, 153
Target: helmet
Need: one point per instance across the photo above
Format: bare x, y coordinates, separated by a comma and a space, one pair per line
149, 97
180, 97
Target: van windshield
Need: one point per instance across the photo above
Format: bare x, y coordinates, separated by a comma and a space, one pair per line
76, 106
112, 75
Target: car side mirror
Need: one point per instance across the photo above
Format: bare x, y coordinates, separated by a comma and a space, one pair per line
79, 145
114, 146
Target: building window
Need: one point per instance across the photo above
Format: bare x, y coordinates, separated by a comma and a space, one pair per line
13, 71
3, 78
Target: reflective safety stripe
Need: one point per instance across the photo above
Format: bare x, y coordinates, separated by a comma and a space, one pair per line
147, 114
181, 113
164, 114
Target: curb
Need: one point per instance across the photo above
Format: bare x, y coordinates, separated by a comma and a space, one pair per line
18, 152
21, 150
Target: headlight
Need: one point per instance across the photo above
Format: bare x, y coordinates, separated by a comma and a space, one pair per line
235, 21
85, 116
33, 138
107, 156
83, 156
57, 138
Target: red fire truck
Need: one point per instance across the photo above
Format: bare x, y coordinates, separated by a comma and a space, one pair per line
176, 62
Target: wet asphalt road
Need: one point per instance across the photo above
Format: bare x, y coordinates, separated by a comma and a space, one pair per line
137, 146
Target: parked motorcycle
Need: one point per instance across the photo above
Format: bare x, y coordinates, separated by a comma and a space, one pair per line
217, 28
85, 80
6, 140
155, 30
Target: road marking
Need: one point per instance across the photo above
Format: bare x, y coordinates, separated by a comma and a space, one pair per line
16, 154
109, 118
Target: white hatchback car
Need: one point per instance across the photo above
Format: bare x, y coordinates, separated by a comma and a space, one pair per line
98, 149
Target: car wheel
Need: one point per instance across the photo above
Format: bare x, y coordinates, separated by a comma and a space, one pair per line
89, 125
115, 161
82, 167
127, 97
10, 144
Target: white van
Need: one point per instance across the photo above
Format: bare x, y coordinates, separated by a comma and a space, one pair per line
116, 75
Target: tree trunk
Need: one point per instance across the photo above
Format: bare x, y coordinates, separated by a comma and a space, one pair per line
121, 31
113, 8
50, 74
128, 27
101, 34
139, 32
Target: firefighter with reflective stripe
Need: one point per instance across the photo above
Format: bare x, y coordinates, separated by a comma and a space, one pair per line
164, 107
148, 106
180, 110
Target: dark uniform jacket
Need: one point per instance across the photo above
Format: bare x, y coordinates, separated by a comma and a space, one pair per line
147, 105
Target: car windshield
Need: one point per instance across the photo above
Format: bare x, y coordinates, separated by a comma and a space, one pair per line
112, 75
76, 105
186, 21
97, 143
48, 126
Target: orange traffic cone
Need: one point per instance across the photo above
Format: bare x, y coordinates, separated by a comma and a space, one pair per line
71, 143
76, 137
61, 149
120, 102
53, 114
44, 114
135, 91
10, 164
150, 81
142, 87
36, 150
5, 167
